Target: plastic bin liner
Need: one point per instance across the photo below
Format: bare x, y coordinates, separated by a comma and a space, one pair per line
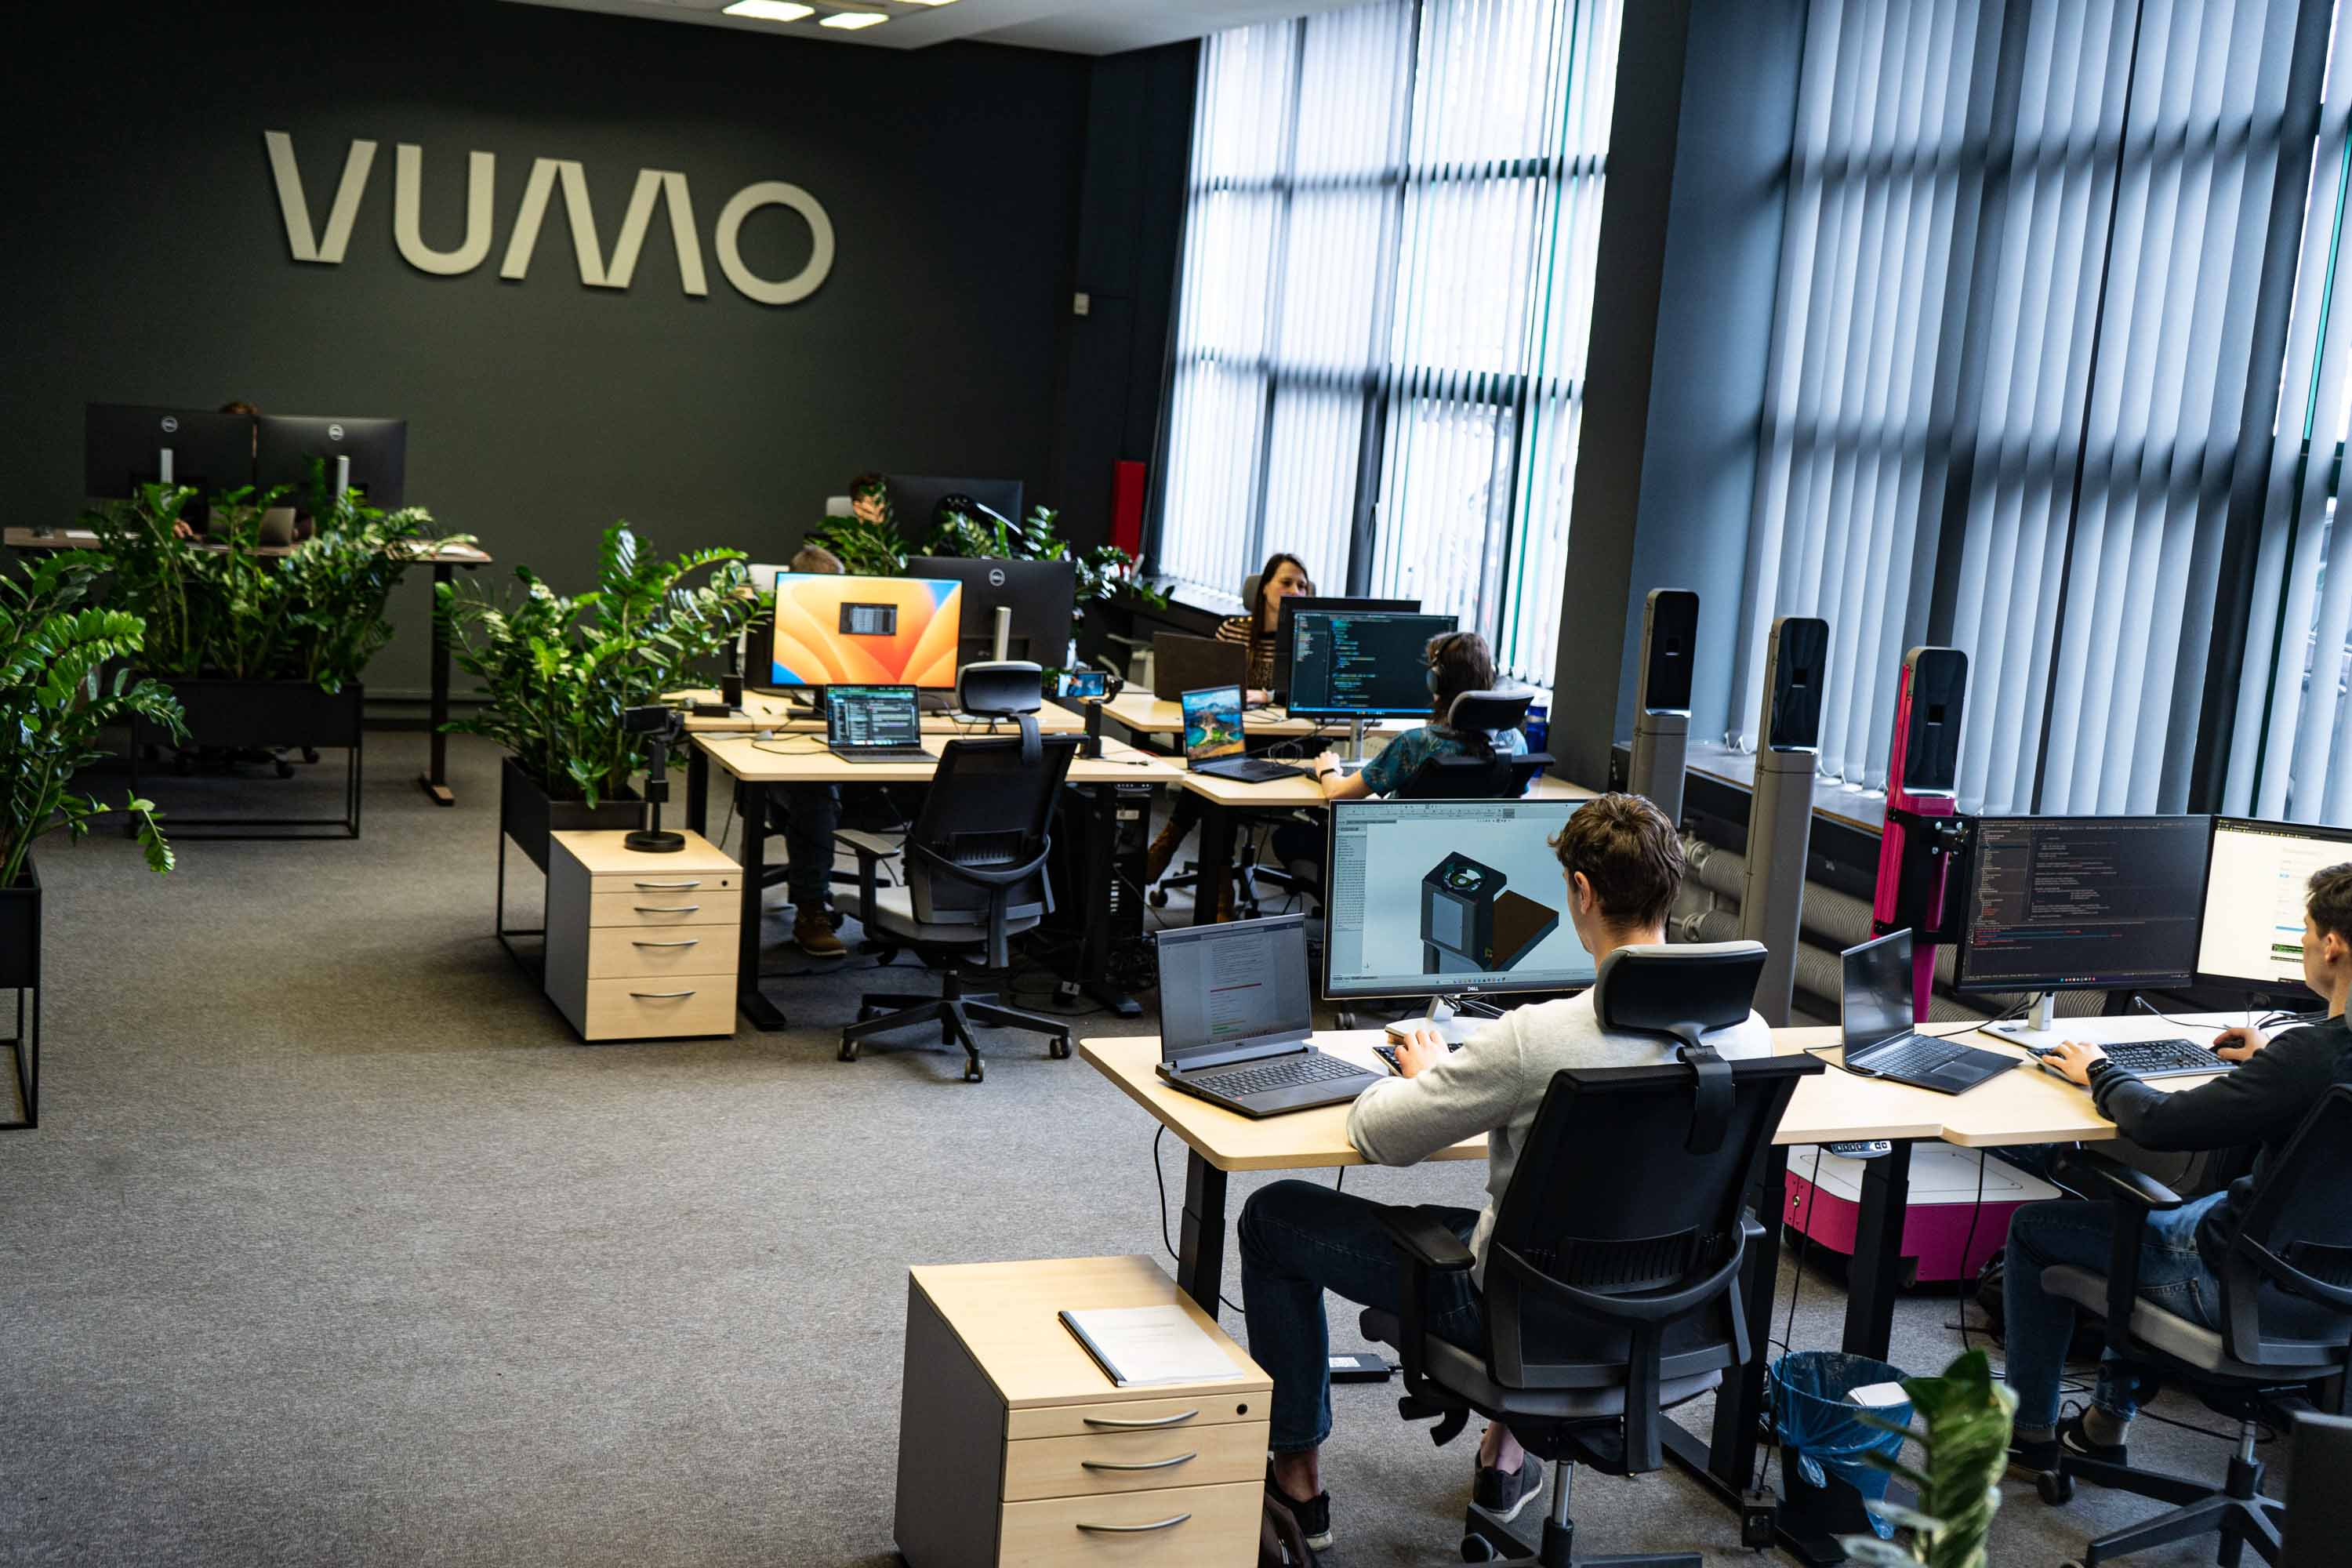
1828, 1435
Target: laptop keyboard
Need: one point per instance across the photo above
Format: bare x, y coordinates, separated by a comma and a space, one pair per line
1295, 1072
1911, 1057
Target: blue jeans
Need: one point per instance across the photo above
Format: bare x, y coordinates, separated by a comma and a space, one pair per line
2041, 1325
812, 813
1301, 1238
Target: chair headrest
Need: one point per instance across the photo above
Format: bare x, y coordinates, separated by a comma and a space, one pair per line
1660, 987
1249, 594
1488, 711
1001, 688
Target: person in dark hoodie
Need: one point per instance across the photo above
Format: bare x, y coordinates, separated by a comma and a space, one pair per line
2263, 1103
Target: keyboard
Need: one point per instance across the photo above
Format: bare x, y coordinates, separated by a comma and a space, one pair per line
1293, 1072
1249, 770
2161, 1059
1907, 1058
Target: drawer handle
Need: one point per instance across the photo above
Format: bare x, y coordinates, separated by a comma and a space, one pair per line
1147, 1464
682, 942
1136, 1529
659, 996
1138, 1425
670, 886
666, 909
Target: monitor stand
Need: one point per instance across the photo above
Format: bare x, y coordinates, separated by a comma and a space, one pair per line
1441, 1017
2038, 1028
1356, 738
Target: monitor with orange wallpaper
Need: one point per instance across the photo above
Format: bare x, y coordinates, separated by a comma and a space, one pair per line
835, 630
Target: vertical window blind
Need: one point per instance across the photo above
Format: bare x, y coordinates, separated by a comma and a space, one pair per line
1384, 305
2024, 367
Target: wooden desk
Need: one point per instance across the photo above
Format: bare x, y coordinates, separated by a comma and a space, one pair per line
1144, 714
758, 765
444, 562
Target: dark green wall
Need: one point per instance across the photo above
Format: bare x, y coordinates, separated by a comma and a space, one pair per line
146, 261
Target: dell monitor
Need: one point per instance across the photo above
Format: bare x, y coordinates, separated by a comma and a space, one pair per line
369, 455
125, 446
1034, 600
837, 630
1285, 631
915, 500
1449, 898
2083, 903
1374, 666
2257, 881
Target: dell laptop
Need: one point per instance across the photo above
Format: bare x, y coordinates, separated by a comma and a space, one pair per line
1880, 1041
1235, 1017
874, 724
1213, 738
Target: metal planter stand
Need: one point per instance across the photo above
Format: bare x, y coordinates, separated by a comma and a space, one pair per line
528, 815
20, 972
262, 714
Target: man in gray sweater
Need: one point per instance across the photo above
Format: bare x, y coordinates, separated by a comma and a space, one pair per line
1622, 863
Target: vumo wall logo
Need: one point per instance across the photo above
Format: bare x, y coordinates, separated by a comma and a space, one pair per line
663, 187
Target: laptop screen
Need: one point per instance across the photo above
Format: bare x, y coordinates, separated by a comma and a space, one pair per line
1213, 724
1225, 986
858, 716
1877, 984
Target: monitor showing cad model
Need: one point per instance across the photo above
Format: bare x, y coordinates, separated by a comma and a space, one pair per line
2257, 881
1446, 897
835, 630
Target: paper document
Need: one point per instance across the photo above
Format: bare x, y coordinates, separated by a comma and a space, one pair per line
1141, 1346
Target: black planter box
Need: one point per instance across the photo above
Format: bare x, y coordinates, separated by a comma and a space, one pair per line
527, 814
252, 714
20, 972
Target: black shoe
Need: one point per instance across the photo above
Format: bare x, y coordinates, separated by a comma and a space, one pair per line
1313, 1517
2076, 1441
1500, 1494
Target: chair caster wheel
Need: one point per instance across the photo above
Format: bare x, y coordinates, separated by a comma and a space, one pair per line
2056, 1488
309, 754
1058, 1050
1477, 1549
849, 1050
1157, 898
284, 769
973, 1072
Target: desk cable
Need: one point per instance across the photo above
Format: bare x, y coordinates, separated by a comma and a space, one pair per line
810, 746
1796, 1288
1160, 1174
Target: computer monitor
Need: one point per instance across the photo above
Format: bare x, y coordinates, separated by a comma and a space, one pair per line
1212, 724
123, 447
1362, 665
2257, 881
1039, 596
915, 500
2083, 903
1285, 629
837, 630
1449, 898
377, 450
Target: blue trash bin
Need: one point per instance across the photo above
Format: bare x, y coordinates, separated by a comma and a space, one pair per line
1824, 1441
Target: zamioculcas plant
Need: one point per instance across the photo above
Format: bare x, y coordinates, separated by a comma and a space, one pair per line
56, 696
1101, 571
1967, 1413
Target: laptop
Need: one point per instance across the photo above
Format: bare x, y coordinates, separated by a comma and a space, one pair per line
1880, 1041
1235, 1014
1180, 664
1213, 738
874, 724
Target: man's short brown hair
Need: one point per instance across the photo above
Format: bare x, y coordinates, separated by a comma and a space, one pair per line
816, 558
1629, 852
2329, 902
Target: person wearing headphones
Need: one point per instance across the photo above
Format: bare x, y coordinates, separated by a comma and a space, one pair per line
1458, 662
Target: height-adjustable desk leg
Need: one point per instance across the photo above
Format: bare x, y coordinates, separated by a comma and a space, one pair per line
1217, 861
698, 790
435, 777
1201, 1247
1876, 1274
751, 803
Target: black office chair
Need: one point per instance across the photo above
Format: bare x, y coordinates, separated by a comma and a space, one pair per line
1479, 772
974, 876
2287, 1312
1607, 1302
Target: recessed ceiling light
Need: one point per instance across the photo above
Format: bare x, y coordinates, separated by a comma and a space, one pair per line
770, 10
853, 20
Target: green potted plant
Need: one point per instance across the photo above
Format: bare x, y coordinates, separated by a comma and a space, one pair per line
1102, 572
1967, 1415
57, 693
557, 671
262, 648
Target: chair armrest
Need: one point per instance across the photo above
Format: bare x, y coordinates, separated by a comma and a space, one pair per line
2103, 1176
868, 846
1423, 1240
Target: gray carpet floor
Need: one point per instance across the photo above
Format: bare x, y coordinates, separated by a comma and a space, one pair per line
333, 1247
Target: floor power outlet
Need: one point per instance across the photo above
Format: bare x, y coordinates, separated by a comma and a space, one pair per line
1360, 1366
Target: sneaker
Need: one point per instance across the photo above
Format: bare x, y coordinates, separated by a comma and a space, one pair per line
1313, 1517
2076, 1441
1500, 1494
813, 935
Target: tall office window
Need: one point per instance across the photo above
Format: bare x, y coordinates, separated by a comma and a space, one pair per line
2028, 296
1386, 297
